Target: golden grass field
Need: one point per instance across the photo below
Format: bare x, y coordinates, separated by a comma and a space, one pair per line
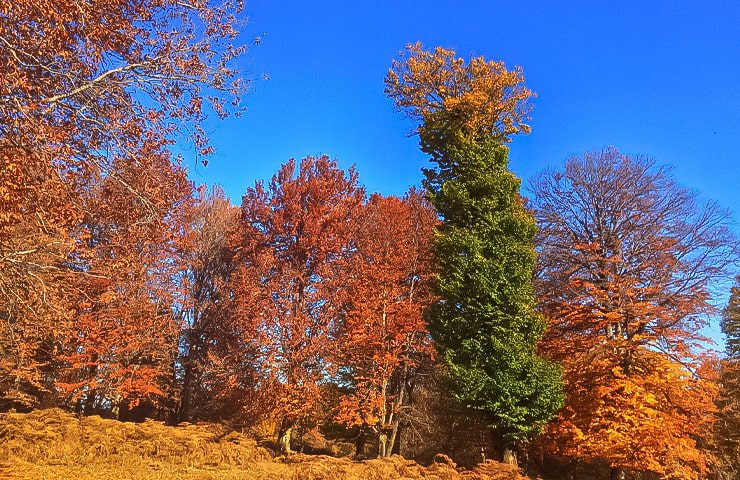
52, 444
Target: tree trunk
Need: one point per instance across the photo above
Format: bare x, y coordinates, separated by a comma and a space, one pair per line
116, 403
89, 408
183, 412
617, 474
510, 456
382, 444
395, 420
360, 445
80, 406
392, 439
396, 443
284, 439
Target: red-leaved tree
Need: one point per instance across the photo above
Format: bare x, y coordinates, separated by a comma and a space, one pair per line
93, 95
384, 337
293, 247
123, 337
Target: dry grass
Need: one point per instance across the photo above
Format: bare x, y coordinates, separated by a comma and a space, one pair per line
52, 444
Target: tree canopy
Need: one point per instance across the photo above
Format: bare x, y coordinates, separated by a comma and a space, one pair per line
485, 323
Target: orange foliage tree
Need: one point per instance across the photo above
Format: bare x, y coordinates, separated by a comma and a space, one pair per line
123, 339
209, 389
652, 416
93, 93
476, 96
384, 337
293, 246
35, 218
626, 262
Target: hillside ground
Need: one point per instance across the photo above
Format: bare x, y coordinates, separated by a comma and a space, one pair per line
53, 444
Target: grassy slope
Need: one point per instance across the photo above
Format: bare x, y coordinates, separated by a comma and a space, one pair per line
52, 444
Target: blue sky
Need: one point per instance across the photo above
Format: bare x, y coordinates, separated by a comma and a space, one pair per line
659, 78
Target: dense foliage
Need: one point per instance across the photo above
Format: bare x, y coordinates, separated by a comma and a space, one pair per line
485, 324
93, 94
728, 426
460, 318
627, 261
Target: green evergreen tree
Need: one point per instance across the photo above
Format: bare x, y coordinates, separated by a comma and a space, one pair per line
728, 425
731, 324
485, 325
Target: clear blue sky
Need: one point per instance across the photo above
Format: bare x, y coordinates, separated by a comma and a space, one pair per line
654, 78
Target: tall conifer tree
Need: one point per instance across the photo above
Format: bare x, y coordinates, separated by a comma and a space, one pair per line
486, 327
728, 426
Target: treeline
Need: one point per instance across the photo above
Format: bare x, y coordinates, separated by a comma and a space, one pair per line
306, 304
562, 330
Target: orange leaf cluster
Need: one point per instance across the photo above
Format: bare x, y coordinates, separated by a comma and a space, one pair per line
650, 416
481, 95
384, 337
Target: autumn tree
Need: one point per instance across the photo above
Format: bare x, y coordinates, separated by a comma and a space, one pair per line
93, 93
206, 336
627, 261
123, 338
384, 338
293, 246
35, 218
485, 325
728, 425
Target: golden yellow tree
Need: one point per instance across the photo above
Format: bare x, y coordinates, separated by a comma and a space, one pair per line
476, 96
627, 258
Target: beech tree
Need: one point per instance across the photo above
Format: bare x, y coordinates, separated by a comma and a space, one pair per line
293, 246
93, 93
384, 338
123, 338
34, 307
627, 262
206, 338
485, 324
